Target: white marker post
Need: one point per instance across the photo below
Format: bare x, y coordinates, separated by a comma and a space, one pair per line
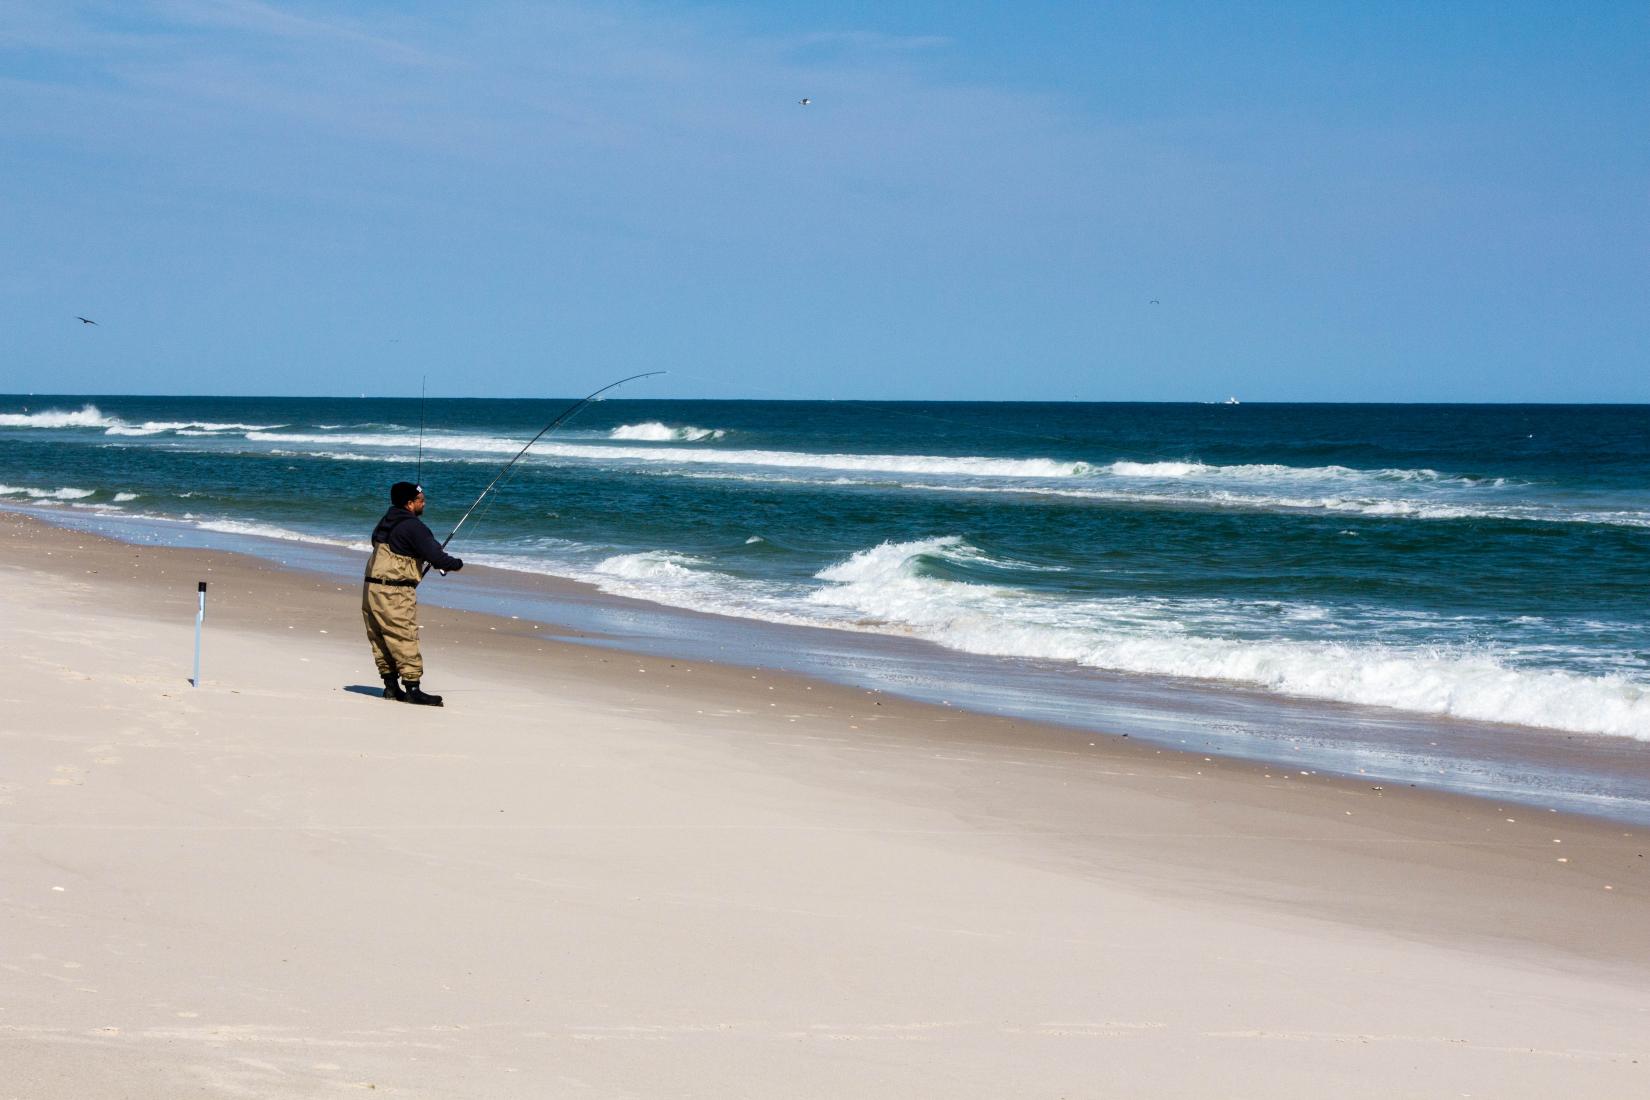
200, 617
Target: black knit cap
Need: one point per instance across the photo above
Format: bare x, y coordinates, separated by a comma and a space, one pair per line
402, 492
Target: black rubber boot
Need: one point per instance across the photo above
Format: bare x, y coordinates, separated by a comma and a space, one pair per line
392, 689
414, 695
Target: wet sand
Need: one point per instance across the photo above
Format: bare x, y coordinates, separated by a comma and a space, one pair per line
601, 874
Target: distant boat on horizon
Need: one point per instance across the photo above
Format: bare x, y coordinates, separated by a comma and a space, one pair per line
1231, 401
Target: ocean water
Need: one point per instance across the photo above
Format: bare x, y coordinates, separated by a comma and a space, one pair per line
1485, 564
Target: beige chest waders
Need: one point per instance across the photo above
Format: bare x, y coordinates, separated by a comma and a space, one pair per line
389, 606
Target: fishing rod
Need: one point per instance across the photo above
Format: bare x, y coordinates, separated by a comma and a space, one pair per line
544, 431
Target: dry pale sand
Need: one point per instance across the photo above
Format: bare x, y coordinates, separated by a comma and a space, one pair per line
597, 874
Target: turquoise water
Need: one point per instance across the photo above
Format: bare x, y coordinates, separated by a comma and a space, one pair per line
1485, 563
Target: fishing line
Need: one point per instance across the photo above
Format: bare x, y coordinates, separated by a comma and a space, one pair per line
561, 418
510, 477
422, 384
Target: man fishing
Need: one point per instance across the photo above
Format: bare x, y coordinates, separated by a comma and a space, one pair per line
401, 547
399, 544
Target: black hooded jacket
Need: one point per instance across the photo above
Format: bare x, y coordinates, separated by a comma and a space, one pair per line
408, 536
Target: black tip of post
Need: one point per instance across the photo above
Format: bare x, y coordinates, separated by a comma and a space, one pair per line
202, 588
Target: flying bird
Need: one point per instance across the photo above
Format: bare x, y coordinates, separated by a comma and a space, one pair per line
84, 320
804, 101
1155, 302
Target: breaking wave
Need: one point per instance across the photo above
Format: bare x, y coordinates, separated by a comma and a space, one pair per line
1397, 493
68, 493
349, 456
959, 465
1395, 507
88, 416
897, 588
678, 580
892, 588
1274, 472
1407, 493
655, 432
1440, 508
183, 427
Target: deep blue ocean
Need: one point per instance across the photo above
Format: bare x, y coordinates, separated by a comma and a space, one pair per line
1486, 563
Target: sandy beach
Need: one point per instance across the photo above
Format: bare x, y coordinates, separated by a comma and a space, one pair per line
598, 874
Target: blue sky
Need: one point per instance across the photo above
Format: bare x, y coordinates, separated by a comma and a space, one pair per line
1394, 202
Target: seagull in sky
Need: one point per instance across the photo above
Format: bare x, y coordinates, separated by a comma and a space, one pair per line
84, 320
804, 101
1155, 302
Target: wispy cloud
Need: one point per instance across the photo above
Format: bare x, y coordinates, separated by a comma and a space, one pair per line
871, 41
595, 92
254, 18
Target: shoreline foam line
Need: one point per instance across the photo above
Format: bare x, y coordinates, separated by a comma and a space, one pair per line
1489, 761
882, 591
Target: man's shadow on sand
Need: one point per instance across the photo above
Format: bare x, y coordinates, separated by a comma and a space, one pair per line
375, 690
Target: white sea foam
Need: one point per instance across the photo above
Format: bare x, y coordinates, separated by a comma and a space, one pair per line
655, 432
87, 416
651, 565
1122, 471
1275, 472
886, 587
352, 456
270, 531
1403, 508
1422, 493
680, 580
90, 416
959, 465
488, 444
1418, 494
182, 427
68, 493
1157, 469
122, 498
